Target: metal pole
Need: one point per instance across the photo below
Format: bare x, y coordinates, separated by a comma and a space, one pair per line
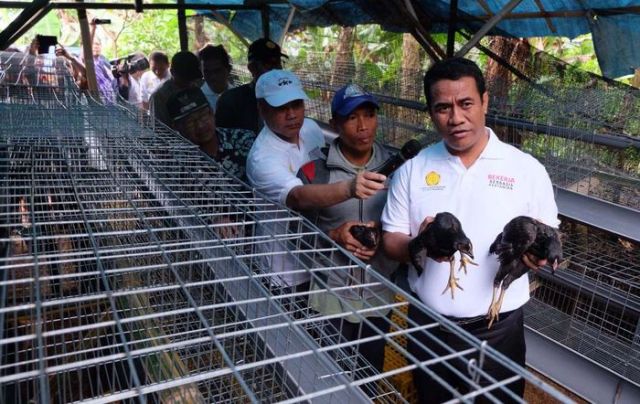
264, 12
453, 21
285, 29
87, 51
182, 27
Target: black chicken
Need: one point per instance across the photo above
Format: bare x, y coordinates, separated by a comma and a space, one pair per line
442, 238
523, 242
367, 236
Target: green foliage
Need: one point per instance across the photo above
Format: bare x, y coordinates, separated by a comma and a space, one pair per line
152, 30
49, 25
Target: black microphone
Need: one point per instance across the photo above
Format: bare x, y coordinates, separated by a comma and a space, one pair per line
408, 151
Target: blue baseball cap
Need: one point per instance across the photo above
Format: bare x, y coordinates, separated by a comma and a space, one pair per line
349, 98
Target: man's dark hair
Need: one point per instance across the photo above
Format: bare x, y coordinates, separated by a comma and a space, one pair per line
211, 52
453, 69
158, 56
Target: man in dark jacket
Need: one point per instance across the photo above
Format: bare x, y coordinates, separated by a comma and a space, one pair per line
186, 73
341, 190
238, 107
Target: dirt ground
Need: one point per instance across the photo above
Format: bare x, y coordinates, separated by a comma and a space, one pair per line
535, 396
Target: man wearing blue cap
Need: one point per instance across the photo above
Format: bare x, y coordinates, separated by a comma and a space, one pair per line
341, 190
285, 143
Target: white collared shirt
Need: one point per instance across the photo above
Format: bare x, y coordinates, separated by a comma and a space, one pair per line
149, 83
135, 95
501, 184
273, 163
211, 95
272, 166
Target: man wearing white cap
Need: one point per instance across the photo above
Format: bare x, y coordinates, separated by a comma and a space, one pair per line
285, 143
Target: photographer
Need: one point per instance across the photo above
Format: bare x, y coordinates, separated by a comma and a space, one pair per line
127, 72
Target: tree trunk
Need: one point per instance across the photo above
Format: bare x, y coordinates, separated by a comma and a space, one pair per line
344, 67
70, 30
499, 79
410, 89
636, 78
198, 28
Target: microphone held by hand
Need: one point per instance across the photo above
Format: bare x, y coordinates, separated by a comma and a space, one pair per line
408, 151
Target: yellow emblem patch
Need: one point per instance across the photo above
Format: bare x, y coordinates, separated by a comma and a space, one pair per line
432, 178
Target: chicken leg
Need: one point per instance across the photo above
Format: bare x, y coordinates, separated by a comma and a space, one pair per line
464, 261
494, 307
453, 281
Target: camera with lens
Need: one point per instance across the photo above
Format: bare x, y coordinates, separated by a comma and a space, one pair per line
129, 65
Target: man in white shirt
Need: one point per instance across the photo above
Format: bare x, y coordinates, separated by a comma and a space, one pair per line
158, 73
216, 70
485, 183
284, 144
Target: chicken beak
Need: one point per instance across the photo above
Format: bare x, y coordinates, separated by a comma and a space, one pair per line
470, 252
555, 265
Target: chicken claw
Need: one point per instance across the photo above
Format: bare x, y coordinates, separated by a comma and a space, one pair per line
494, 307
453, 281
464, 261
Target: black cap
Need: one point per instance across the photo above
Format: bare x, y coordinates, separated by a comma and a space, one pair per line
263, 49
186, 66
184, 102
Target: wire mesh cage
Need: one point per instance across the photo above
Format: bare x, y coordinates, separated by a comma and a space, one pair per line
592, 307
133, 268
29, 79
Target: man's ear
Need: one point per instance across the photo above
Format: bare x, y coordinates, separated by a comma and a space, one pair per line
261, 107
485, 102
334, 124
253, 69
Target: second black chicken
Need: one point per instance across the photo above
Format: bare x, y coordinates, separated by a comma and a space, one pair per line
441, 239
521, 245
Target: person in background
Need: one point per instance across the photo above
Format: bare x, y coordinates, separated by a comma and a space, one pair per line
128, 73
341, 189
78, 69
158, 73
485, 183
284, 144
216, 70
185, 73
192, 116
238, 107
104, 78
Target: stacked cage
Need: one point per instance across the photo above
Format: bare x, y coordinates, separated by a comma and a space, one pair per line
134, 268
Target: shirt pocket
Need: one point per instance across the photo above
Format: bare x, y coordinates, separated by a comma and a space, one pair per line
429, 200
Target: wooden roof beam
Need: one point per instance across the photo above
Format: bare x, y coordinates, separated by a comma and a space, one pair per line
31, 14
552, 27
419, 31
132, 6
493, 21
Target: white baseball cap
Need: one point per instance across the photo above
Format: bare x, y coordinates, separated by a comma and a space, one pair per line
279, 87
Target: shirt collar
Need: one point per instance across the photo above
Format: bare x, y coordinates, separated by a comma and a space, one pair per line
335, 158
492, 150
277, 142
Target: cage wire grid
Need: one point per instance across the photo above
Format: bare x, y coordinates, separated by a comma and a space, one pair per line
593, 306
132, 266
